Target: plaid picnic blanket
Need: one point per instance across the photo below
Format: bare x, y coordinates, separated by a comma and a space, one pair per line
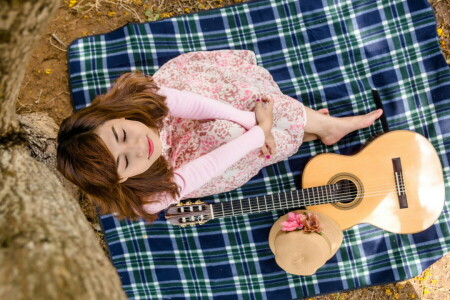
327, 53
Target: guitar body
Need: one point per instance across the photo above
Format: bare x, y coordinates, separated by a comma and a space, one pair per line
375, 198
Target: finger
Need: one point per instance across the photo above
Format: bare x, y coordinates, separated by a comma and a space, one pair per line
269, 103
265, 100
265, 151
272, 147
259, 103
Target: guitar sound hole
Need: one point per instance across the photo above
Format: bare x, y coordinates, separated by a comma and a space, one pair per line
347, 191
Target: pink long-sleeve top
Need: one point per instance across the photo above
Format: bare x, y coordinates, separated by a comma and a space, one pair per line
194, 174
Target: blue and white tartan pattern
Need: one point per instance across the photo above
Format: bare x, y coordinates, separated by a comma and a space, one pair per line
327, 53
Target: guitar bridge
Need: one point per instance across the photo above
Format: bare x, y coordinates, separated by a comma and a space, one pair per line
399, 183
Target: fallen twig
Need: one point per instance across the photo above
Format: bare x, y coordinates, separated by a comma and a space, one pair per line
51, 43
64, 92
58, 40
39, 98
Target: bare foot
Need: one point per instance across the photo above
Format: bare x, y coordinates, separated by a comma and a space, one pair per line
339, 127
307, 137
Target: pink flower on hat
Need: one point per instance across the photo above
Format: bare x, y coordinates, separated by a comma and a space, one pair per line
294, 222
311, 223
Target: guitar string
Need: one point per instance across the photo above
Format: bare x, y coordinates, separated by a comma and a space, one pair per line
294, 200
342, 196
374, 184
249, 209
291, 199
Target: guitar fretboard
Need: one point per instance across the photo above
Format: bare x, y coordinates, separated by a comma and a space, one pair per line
290, 199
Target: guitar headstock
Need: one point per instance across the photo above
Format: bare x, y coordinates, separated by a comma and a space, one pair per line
189, 213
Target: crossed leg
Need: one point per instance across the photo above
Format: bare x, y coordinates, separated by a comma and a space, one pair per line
331, 129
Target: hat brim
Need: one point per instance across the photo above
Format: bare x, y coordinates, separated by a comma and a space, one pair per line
331, 233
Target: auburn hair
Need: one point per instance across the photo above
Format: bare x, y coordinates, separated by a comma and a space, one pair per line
84, 159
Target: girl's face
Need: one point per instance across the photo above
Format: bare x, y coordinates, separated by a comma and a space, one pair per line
134, 146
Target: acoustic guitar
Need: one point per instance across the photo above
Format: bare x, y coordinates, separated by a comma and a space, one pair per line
395, 183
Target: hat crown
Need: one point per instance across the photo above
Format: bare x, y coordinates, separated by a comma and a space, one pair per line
302, 253
301, 250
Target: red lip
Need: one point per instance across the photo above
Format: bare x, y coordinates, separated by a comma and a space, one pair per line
150, 147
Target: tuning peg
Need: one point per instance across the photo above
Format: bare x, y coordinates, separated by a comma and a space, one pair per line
198, 202
188, 203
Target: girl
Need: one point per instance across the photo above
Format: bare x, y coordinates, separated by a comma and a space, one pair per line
204, 123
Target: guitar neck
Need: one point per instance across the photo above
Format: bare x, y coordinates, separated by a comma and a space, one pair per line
291, 199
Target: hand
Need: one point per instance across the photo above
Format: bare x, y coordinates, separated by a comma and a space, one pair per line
264, 119
269, 147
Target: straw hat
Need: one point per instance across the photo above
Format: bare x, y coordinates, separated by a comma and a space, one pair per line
302, 253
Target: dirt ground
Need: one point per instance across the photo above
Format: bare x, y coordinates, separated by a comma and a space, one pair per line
45, 89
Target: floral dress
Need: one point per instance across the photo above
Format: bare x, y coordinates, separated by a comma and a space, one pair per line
233, 77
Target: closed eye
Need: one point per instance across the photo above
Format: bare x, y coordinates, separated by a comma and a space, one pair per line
124, 139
